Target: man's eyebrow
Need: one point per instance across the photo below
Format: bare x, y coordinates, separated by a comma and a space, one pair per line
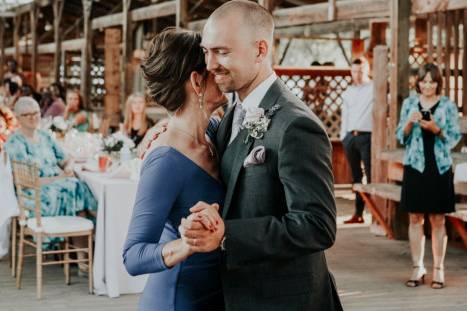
215, 48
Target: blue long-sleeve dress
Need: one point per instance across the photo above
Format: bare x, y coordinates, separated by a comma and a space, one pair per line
169, 186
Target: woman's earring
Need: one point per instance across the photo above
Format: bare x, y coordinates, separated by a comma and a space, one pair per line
200, 101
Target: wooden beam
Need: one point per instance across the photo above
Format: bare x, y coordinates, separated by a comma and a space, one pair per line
431, 6
34, 15
126, 51
181, 16
58, 12
49, 48
318, 13
86, 52
322, 28
447, 54
148, 12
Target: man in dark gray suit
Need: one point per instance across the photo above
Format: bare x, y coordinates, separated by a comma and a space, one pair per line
279, 212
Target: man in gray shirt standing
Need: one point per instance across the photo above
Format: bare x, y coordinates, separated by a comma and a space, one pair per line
356, 129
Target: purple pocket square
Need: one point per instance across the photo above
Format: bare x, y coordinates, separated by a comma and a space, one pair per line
256, 156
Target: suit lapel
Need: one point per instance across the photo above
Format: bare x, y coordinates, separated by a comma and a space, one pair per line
223, 134
241, 149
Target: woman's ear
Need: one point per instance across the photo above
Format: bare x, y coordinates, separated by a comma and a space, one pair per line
197, 82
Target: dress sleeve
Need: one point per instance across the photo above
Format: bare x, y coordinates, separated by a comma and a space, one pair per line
405, 110
160, 183
451, 130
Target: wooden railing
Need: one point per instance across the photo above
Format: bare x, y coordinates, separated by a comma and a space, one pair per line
321, 89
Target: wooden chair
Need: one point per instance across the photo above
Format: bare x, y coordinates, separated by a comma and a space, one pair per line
13, 244
26, 177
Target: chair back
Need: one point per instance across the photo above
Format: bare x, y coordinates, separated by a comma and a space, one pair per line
28, 190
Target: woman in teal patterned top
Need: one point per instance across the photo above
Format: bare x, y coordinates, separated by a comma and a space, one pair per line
61, 193
429, 129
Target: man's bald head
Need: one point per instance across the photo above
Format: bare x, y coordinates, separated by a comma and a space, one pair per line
257, 19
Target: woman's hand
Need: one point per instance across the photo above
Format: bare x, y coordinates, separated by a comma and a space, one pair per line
430, 126
415, 117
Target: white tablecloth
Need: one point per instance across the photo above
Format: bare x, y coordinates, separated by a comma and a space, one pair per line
115, 205
8, 202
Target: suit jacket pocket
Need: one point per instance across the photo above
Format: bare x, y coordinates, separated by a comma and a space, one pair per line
287, 286
256, 170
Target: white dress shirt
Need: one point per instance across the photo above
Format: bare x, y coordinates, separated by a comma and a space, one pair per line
357, 109
251, 101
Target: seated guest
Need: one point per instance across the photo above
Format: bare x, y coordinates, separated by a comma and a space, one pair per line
61, 193
75, 113
136, 121
57, 106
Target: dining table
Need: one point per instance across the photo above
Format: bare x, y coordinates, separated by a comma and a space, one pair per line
115, 196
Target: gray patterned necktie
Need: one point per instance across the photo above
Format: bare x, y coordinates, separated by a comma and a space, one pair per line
239, 116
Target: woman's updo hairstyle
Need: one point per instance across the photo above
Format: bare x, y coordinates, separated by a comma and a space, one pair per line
172, 56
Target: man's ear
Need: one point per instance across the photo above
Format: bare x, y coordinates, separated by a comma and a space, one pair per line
197, 82
263, 50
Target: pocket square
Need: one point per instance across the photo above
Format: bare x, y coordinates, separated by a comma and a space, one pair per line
256, 156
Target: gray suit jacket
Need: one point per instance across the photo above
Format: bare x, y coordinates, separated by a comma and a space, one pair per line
280, 215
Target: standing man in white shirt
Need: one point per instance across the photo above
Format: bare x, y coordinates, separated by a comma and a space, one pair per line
356, 129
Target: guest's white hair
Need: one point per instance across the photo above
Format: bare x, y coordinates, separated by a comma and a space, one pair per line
24, 104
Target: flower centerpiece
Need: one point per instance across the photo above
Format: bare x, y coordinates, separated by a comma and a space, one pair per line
115, 142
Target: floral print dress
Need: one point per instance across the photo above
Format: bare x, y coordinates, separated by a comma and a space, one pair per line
63, 197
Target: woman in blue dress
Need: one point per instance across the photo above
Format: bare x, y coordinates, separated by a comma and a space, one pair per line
179, 170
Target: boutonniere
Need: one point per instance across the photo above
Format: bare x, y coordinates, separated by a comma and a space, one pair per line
257, 121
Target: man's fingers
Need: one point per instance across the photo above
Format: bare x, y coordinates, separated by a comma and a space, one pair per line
191, 223
194, 234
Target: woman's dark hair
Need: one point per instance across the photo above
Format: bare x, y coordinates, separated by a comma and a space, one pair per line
433, 70
171, 58
57, 90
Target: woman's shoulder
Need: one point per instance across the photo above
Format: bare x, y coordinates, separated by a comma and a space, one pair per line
411, 100
160, 155
445, 101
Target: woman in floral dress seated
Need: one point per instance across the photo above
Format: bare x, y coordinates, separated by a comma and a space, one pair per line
61, 193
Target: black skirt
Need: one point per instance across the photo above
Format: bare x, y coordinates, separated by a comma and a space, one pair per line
428, 192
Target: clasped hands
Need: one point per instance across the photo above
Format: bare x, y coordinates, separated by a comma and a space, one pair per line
429, 125
203, 230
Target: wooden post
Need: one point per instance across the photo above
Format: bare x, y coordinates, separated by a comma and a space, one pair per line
464, 68
112, 59
399, 89
182, 14
377, 37
270, 5
447, 54
429, 34
421, 31
127, 40
2, 46
331, 10
399, 76
34, 15
86, 52
379, 135
58, 11
16, 31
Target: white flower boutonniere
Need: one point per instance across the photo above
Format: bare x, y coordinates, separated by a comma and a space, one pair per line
257, 121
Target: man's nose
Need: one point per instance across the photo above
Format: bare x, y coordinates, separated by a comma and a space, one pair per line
211, 61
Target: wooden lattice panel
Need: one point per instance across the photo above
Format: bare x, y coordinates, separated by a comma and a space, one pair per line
321, 89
